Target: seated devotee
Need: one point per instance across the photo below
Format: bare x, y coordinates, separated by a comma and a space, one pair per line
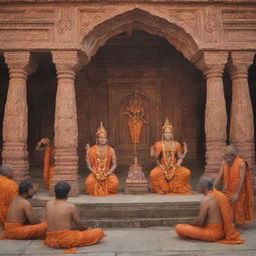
214, 222
20, 222
237, 185
46, 145
8, 191
101, 161
60, 217
169, 177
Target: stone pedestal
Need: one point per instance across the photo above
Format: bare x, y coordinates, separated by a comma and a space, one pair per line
65, 127
136, 182
212, 64
15, 124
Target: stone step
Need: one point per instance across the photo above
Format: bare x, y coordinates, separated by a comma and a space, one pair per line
137, 222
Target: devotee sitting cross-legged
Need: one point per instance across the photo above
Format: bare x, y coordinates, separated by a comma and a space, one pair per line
60, 217
20, 222
214, 222
8, 191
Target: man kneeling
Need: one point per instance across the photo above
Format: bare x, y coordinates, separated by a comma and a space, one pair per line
20, 215
214, 222
60, 215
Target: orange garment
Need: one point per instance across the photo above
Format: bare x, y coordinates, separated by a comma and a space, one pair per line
48, 165
94, 187
180, 182
222, 233
19, 231
135, 127
243, 208
73, 238
210, 232
8, 191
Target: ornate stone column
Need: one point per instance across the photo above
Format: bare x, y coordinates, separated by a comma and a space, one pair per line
212, 64
241, 121
15, 124
65, 127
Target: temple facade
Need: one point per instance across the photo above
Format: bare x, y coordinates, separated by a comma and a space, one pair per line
66, 65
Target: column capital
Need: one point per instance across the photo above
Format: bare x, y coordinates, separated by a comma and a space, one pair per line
212, 63
20, 61
239, 63
68, 61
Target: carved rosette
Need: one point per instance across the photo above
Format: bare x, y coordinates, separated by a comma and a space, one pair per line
241, 124
65, 127
15, 124
212, 64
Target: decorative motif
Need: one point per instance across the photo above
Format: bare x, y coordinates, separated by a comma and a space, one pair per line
101, 130
64, 24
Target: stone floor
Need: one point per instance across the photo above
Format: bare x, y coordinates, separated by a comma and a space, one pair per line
157, 241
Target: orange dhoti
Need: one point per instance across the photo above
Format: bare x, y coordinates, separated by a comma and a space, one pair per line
210, 233
243, 208
94, 187
73, 238
19, 231
178, 185
48, 166
8, 191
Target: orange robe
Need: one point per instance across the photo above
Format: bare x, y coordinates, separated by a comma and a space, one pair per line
19, 231
222, 233
243, 208
73, 238
48, 166
179, 185
8, 191
94, 187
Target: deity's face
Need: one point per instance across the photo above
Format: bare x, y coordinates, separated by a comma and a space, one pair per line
102, 139
229, 157
167, 134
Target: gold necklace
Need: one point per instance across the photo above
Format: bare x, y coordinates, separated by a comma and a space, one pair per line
102, 161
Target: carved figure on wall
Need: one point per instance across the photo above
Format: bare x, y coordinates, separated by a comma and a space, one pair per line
47, 145
169, 177
101, 161
135, 113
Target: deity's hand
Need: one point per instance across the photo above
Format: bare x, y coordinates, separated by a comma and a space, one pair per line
87, 147
45, 141
185, 147
152, 151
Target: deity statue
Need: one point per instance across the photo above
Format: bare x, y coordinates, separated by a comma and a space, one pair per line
47, 145
101, 161
169, 177
135, 112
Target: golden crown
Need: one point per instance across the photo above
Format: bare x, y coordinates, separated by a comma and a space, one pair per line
101, 130
167, 125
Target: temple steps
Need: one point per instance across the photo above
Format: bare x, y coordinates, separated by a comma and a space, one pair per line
126, 211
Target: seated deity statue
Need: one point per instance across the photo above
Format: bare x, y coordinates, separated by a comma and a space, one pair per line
101, 161
169, 177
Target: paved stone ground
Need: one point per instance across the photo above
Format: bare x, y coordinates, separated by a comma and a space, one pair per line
157, 241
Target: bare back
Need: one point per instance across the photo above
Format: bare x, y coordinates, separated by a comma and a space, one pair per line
59, 215
17, 211
213, 210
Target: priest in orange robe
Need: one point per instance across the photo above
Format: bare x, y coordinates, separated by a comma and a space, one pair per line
20, 222
237, 186
101, 161
8, 191
60, 216
46, 145
169, 177
214, 222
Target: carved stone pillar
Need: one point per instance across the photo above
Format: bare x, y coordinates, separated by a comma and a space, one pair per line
241, 121
15, 124
65, 126
212, 64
